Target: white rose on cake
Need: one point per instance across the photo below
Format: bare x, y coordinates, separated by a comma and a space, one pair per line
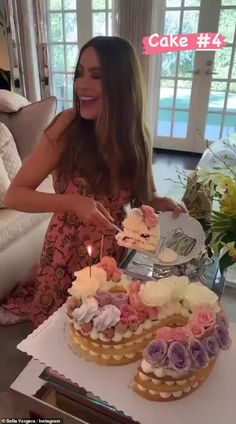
199, 296
178, 286
84, 285
155, 293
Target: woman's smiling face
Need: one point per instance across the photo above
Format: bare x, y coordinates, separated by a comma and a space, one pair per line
88, 85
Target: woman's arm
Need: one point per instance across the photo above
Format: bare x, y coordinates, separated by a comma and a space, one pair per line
22, 194
163, 204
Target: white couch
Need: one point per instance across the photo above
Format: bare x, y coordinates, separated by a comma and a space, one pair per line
22, 234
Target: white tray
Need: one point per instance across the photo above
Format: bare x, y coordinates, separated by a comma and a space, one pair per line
214, 402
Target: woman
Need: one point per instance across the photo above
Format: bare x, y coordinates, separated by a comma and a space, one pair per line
100, 155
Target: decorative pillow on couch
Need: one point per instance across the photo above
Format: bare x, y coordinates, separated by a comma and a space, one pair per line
11, 102
8, 152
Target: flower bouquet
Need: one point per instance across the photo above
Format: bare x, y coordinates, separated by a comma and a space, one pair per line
222, 235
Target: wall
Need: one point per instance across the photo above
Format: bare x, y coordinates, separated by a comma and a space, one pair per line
4, 57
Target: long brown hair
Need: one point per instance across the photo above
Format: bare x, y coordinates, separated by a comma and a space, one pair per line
120, 137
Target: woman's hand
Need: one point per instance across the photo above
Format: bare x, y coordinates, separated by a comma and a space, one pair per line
91, 212
164, 204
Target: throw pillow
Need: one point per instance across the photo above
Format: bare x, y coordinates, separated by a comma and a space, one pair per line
8, 152
4, 183
11, 102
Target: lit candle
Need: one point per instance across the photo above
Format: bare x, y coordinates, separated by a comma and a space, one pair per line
89, 249
101, 249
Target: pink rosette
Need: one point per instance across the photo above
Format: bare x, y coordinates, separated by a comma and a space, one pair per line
166, 333
204, 317
109, 333
142, 315
149, 216
135, 285
116, 276
119, 299
127, 311
135, 301
86, 328
152, 312
109, 265
133, 322
122, 325
196, 329
182, 334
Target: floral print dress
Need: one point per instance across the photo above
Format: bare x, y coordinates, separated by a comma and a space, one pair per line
64, 252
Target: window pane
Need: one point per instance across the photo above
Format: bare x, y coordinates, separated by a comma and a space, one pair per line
229, 125
70, 27
228, 2
222, 62
71, 57
99, 23
70, 104
172, 22
217, 96
213, 123
110, 23
59, 85
183, 94
70, 85
190, 21
61, 105
180, 124
186, 63
227, 24
166, 93
188, 3
99, 4
231, 102
55, 5
55, 23
234, 66
173, 3
164, 122
168, 66
69, 4
57, 57
110, 5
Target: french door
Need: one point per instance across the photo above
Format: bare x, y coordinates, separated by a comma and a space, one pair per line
197, 89
71, 23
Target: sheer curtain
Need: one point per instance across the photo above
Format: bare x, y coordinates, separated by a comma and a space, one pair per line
135, 19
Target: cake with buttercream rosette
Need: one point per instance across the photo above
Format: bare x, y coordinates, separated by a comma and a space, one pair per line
179, 359
177, 328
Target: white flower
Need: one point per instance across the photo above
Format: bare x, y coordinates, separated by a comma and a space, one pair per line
87, 311
108, 317
155, 293
199, 296
84, 285
178, 286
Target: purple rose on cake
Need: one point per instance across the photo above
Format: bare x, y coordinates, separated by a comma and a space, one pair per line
222, 319
103, 298
222, 336
211, 345
197, 353
178, 358
156, 352
119, 299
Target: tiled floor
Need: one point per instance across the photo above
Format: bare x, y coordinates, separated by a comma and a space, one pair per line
12, 361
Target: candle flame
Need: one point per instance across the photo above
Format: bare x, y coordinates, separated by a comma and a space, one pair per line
89, 249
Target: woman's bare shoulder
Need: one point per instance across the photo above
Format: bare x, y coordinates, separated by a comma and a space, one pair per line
60, 123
